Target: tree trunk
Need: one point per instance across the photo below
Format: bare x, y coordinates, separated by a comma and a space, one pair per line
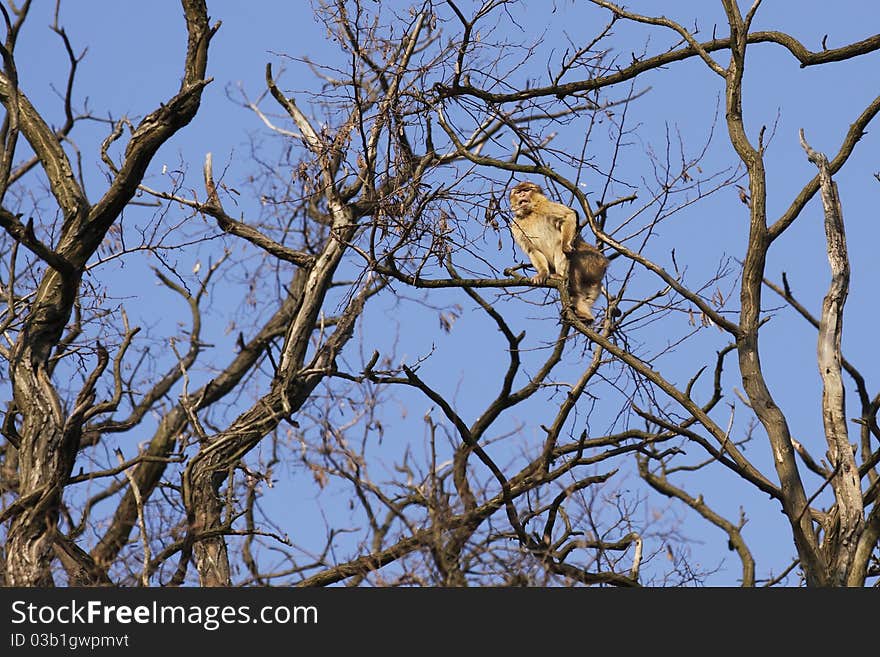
45, 459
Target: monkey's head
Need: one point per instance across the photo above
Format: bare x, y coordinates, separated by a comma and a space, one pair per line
523, 197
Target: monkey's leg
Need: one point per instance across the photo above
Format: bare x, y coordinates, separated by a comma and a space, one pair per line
539, 262
561, 265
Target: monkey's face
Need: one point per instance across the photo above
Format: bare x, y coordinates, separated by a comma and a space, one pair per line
522, 198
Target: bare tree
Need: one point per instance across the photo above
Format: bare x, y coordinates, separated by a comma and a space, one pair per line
45, 434
145, 452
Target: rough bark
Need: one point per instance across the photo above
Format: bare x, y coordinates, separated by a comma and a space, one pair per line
50, 437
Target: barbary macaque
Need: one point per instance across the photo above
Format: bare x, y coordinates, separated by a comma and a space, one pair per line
547, 233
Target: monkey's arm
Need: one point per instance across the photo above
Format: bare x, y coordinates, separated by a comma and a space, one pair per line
567, 219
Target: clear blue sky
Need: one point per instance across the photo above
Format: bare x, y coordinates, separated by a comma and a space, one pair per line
134, 59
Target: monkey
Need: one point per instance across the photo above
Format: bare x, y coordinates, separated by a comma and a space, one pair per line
547, 232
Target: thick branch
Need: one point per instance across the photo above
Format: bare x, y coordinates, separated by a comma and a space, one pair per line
846, 485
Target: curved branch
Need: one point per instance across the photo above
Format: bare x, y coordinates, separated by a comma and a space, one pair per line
805, 56
853, 136
734, 536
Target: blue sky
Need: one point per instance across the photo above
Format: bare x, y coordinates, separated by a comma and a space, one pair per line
133, 61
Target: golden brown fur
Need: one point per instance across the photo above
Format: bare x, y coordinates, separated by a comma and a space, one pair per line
547, 233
